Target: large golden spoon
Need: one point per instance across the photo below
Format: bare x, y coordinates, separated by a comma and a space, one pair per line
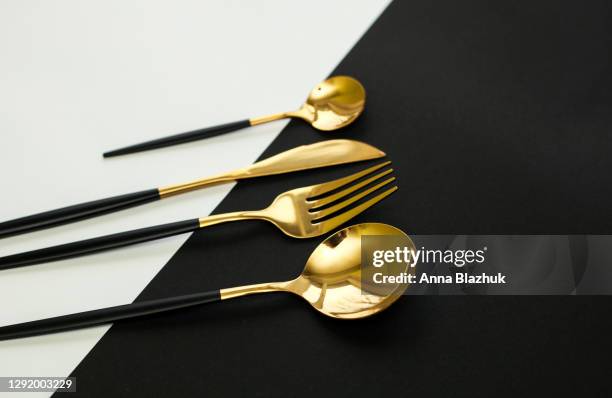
330, 283
332, 104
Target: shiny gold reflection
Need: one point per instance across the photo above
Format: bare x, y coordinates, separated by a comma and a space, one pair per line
332, 104
331, 280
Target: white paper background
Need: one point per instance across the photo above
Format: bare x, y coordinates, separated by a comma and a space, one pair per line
81, 77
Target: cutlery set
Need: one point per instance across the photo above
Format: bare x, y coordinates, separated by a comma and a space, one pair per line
330, 281
299, 213
322, 154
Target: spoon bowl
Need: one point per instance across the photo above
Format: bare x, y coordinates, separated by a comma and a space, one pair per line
331, 280
334, 103
333, 273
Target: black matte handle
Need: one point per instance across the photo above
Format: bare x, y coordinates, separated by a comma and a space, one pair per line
76, 212
98, 244
105, 315
181, 138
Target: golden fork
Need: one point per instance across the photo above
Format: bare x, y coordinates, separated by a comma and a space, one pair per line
301, 213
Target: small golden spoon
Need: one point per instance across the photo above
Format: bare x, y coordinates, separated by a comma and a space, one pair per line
332, 104
330, 282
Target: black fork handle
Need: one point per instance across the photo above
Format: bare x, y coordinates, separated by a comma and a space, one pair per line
76, 212
101, 243
106, 315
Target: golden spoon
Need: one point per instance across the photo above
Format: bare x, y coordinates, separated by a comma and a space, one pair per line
332, 104
330, 283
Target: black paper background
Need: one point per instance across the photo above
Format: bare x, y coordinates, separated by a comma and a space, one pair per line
497, 116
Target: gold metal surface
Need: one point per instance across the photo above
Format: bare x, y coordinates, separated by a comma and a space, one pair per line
332, 104
299, 213
331, 280
320, 154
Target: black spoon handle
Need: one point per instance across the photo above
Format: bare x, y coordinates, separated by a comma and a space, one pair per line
101, 243
180, 138
105, 315
77, 212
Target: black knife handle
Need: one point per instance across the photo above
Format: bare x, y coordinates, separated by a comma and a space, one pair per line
105, 315
101, 243
181, 138
77, 212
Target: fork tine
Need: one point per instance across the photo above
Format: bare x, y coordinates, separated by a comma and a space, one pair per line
339, 195
325, 187
340, 219
339, 206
